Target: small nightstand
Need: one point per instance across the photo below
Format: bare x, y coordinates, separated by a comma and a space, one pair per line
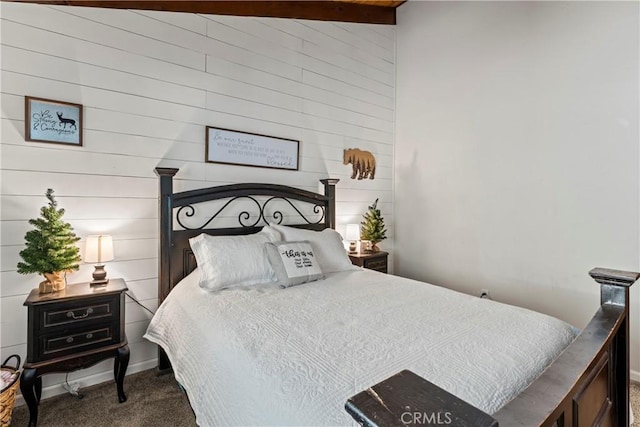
72, 329
374, 261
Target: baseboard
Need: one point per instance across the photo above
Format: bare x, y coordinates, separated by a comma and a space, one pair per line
102, 377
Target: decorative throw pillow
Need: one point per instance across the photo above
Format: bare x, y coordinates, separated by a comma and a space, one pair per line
293, 262
328, 245
227, 261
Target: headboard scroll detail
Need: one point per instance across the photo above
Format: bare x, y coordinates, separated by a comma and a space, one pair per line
245, 217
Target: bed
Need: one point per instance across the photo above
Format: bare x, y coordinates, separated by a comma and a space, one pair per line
262, 355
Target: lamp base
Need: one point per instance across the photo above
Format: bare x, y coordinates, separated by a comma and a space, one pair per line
99, 276
102, 282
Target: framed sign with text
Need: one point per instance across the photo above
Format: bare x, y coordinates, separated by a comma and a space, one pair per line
250, 149
52, 121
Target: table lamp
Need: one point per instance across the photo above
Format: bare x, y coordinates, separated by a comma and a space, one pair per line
98, 250
353, 235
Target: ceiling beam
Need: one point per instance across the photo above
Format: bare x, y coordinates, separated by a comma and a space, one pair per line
300, 9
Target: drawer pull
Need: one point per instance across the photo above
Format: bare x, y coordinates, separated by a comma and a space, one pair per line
72, 315
89, 336
69, 340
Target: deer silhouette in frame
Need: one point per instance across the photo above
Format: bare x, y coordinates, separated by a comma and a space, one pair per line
64, 121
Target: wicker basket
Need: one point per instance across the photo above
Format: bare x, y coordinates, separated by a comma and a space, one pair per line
8, 393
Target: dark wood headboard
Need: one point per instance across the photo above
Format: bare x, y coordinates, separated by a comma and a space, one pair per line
175, 209
176, 259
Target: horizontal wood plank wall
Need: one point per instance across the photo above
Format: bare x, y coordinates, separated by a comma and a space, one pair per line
150, 82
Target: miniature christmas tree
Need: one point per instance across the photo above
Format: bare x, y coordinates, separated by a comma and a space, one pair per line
373, 226
50, 247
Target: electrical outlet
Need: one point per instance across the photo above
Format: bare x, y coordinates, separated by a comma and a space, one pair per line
484, 293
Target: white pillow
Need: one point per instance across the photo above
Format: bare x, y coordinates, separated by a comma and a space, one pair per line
294, 263
226, 261
328, 245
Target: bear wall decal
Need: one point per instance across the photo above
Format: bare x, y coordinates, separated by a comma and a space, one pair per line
363, 163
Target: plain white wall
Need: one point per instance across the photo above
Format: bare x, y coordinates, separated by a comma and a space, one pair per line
150, 82
517, 150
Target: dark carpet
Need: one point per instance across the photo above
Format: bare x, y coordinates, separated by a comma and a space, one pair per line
634, 399
152, 400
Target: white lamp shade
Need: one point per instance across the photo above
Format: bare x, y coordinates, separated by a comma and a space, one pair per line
98, 249
353, 232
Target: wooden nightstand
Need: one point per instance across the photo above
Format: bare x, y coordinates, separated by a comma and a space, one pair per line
72, 329
374, 261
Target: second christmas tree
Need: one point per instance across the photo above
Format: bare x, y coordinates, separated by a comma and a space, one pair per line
373, 228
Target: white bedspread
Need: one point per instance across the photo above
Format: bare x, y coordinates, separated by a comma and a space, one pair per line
271, 356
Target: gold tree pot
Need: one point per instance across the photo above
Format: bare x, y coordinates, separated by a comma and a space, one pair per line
55, 282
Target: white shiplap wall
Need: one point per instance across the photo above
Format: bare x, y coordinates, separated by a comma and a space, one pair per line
150, 82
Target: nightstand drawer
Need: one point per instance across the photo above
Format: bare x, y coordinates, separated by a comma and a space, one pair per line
55, 345
79, 312
376, 261
376, 264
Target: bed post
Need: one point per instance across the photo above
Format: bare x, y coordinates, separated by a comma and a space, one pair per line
590, 380
614, 289
164, 245
330, 192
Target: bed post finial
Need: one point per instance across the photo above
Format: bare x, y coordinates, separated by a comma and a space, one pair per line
615, 284
330, 192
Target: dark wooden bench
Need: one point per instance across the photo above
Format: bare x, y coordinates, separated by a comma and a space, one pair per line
408, 399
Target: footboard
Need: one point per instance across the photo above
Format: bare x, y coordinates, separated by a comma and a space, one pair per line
587, 385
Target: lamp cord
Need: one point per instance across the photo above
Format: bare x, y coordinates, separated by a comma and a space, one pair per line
74, 389
138, 302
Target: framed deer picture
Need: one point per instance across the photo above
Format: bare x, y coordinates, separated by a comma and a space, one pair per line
51, 121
